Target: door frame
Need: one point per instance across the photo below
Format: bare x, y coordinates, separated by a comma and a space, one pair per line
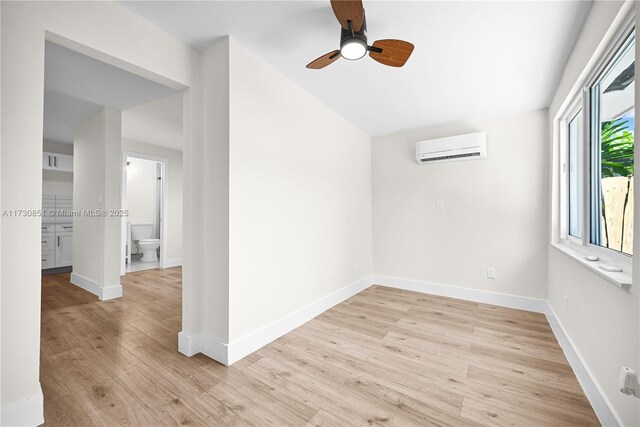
164, 205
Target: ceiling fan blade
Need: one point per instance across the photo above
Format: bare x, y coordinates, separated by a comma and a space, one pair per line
324, 60
349, 10
391, 52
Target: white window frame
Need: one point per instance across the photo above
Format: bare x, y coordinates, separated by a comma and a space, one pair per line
582, 101
576, 106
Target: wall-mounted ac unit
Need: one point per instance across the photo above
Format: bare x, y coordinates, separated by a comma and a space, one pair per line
462, 147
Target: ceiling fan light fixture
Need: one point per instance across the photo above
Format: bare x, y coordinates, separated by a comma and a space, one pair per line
353, 40
353, 49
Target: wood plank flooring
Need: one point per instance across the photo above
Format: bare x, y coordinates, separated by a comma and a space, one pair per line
383, 357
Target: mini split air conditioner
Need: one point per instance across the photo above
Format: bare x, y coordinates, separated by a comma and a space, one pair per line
462, 147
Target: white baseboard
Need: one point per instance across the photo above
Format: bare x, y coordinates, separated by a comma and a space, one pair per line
111, 292
172, 262
215, 349
189, 345
592, 389
86, 284
107, 293
601, 405
274, 330
29, 412
487, 297
231, 353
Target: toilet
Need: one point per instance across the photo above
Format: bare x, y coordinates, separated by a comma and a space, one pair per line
141, 233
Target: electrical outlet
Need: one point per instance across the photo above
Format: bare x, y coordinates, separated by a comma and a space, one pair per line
566, 303
628, 382
439, 206
491, 273
355, 265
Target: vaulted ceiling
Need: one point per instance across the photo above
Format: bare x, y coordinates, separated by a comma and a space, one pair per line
472, 59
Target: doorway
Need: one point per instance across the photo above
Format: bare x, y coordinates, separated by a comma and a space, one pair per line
145, 198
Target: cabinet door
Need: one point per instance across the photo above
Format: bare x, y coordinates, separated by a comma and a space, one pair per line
63, 162
47, 161
48, 228
48, 242
48, 260
64, 253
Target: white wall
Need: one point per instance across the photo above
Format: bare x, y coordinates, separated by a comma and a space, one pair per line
157, 123
281, 229
141, 191
494, 209
89, 165
97, 171
300, 197
137, 46
214, 193
602, 320
174, 181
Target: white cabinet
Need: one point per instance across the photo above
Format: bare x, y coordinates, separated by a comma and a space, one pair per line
64, 253
48, 260
63, 162
48, 242
57, 232
57, 245
48, 252
48, 228
47, 160
57, 162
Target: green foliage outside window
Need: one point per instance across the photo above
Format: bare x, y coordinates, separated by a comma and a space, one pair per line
616, 142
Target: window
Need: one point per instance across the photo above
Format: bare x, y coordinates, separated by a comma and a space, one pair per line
612, 99
597, 148
575, 161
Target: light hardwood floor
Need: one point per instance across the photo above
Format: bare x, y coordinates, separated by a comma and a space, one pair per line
383, 357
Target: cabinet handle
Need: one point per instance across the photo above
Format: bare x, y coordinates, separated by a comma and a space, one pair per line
49, 161
43, 260
58, 241
44, 241
55, 161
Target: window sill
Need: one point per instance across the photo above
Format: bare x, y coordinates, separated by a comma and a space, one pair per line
620, 279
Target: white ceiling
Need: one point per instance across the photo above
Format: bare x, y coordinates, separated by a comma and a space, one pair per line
472, 59
78, 87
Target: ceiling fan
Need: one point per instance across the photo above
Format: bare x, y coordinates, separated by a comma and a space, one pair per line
353, 39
